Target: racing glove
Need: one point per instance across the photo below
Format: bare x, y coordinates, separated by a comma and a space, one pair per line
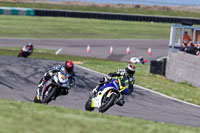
107, 78
121, 72
50, 73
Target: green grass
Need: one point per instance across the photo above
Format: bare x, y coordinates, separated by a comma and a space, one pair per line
21, 117
143, 77
103, 9
37, 50
69, 28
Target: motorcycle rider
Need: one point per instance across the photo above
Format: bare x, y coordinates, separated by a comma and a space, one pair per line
67, 68
28, 49
127, 82
30, 46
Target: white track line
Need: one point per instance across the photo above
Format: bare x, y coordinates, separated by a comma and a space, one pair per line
145, 88
58, 51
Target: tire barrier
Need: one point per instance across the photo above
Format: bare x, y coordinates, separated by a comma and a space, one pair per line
116, 16
17, 11
96, 15
158, 67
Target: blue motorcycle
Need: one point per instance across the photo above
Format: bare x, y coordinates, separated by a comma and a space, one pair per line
107, 96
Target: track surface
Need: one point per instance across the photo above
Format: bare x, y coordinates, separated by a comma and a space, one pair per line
99, 48
19, 78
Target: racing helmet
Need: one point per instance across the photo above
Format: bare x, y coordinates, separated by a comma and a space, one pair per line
30, 44
69, 66
130, 70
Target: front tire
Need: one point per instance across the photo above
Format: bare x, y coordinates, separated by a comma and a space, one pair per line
109, 104
48, 98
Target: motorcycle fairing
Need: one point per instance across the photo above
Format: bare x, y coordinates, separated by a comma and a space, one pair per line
116, 83
46, 85
62, 77
25, 49
96, 101
112, 87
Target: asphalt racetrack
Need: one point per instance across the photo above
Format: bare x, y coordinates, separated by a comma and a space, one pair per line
98, 48
19, 78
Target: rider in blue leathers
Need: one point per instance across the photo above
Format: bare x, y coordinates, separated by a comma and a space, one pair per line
127, 82
66, 68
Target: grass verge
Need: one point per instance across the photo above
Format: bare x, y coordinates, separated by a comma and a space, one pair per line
21, 117
37, 50
69, 28
106, 8
182, 91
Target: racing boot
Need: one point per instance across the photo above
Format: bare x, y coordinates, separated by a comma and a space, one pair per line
121, 101
64, 92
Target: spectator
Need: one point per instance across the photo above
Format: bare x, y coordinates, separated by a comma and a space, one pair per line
186, 37
197, 50
183, 47
189, 48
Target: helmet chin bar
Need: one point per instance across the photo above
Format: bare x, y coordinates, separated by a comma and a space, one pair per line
128, 75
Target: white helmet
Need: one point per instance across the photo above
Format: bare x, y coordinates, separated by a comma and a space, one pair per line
130, 70
30, 44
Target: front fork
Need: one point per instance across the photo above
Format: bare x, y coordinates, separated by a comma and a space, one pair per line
93, 99
38, 94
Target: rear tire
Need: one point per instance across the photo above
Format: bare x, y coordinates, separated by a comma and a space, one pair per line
88, 105
109, 104
48, 98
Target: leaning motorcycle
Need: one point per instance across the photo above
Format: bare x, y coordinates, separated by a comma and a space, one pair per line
25, 52
54, 87
107, 96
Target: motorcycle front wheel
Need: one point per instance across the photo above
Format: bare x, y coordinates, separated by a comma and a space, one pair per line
48, 97
107, 102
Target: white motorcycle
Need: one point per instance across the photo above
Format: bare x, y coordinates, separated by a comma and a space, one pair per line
54, 87
25, 52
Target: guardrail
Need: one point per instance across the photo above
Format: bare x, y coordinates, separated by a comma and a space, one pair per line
116, 16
